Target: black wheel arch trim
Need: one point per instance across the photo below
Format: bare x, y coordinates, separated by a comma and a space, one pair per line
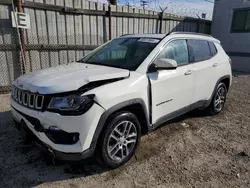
116, 108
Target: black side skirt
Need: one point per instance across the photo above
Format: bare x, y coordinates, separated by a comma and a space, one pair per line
177, 113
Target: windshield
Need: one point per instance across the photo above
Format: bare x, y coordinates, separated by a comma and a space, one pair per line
125, 53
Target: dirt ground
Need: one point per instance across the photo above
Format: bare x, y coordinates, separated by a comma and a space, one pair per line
191, 152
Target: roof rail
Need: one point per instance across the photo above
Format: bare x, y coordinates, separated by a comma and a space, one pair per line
125, 35
192, 33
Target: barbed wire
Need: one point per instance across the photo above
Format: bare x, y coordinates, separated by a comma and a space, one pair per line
170, 7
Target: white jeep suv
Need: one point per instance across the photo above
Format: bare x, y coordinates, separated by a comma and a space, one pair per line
102, 104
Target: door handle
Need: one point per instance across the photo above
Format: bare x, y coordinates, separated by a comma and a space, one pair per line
189, 72
215, 64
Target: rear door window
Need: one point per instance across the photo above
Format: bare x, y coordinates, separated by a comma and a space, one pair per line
201, 50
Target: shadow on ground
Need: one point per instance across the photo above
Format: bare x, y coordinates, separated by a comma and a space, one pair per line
237, 73
29, 166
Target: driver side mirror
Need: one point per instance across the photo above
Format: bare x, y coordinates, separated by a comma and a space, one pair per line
165, 64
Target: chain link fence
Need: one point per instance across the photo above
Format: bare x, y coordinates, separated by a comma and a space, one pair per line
40, 52
10, 58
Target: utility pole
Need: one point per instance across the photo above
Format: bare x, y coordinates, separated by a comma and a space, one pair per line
23, 64
161, 17
144, 3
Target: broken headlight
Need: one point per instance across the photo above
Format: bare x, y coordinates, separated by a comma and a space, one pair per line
71, 104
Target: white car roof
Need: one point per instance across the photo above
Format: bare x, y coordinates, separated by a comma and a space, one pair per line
174, 34
156, 36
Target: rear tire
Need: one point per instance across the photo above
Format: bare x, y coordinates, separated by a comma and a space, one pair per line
120, 139
218, 101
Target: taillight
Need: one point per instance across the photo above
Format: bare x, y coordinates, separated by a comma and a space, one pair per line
230, 61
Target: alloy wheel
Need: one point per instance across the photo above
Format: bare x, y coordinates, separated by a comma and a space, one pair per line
220, 99
122, 140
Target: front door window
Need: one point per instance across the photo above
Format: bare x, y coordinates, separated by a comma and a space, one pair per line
176, 50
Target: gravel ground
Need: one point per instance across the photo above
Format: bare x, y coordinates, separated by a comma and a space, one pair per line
194, 151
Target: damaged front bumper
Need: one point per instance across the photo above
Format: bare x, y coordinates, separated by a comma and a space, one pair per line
67, 138
52, 152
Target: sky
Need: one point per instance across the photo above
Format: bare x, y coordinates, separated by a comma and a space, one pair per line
202, 5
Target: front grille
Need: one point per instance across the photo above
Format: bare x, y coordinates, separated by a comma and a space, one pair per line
28, 99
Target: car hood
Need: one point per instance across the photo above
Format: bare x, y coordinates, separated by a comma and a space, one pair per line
68, 77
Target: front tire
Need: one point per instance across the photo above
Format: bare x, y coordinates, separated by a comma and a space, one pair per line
218, 102
120, 139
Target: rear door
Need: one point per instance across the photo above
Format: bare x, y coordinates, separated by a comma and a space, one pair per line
205, 66
172, 90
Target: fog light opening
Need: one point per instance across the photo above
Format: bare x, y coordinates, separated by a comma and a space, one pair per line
58, 136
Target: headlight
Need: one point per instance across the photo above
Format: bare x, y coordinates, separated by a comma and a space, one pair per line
71, 105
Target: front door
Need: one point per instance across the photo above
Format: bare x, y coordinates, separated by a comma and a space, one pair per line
172, 90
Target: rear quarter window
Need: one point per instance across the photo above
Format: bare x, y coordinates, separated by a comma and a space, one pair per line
201, 50
212, 48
